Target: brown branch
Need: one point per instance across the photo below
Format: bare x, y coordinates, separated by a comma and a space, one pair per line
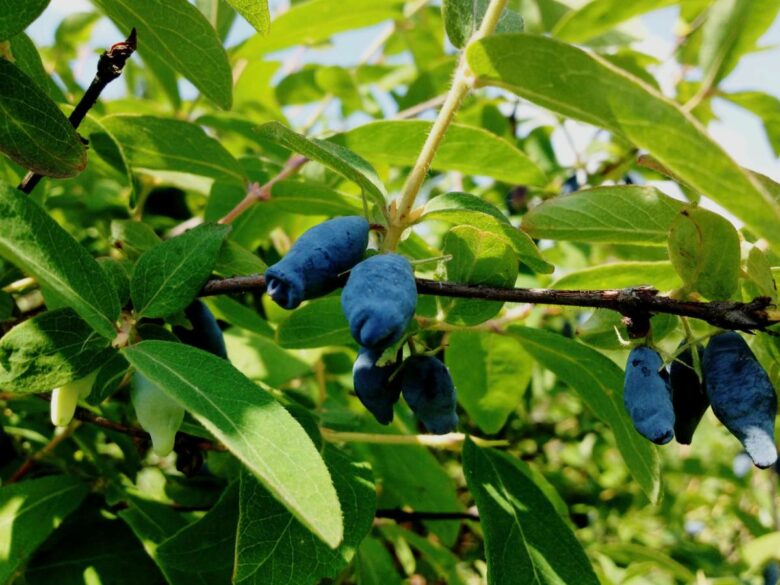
109, 67
404, 516
25, 468
734, 315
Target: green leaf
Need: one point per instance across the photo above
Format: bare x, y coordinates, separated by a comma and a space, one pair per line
467, 149
172, 145
252, 425
480, 258
335, 157
759, 282
305, 198
374, 565
622, 215
660, 274
270, 537
601, 16
109, 377
28, 60
599, 382
731, 29
29, 513
491, 374
259, 357
153, 523
110, 554
255, 12
235, 260
318, 323
133, 237
50, 350
239, 315
57, 261
207, 546
117, 273
17, 15
462, 19
414, 478
443, 561
177, 33
526, 541
35, 133
582, 86
168, 277
309, 23
705, 251
761, 550
463, 208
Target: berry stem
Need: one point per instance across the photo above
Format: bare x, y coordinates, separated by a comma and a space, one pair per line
462, 83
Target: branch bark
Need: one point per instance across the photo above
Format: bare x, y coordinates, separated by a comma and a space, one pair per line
109, 67
751, 316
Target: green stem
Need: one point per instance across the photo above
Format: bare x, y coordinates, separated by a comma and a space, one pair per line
461, 85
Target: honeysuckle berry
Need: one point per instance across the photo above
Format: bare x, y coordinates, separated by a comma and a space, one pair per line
377, 387
158, 415
205, 333
647, 395
742, 395
689, 397
316, 261
379, 300
429, 391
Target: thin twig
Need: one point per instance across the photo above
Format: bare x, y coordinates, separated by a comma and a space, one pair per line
109, 67
450, 441
255, 194
404, 516
58, 438
751, 316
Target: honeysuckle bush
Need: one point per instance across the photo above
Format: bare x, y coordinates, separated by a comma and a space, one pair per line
444, 132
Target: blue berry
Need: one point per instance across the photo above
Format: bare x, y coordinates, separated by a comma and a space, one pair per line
379, 300
313, 265
205, 333
429, 391
742, 395
689, 397
374, 386
647, 395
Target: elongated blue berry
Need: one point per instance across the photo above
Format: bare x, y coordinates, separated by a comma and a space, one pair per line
312, 266
205, 333
647, 395
429, 391
379, 300
689, 397
742, 395
374, 386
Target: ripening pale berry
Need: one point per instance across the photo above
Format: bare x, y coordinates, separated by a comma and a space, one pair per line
158, 415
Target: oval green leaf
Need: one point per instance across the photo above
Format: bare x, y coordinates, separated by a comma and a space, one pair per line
582, 86
60, 264
35, 133
179, 34
252, 424
466, 149
620, 215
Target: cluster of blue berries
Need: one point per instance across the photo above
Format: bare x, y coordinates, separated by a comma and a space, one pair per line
379, 300
664, 404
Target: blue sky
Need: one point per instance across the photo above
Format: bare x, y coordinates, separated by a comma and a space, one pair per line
739, 132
